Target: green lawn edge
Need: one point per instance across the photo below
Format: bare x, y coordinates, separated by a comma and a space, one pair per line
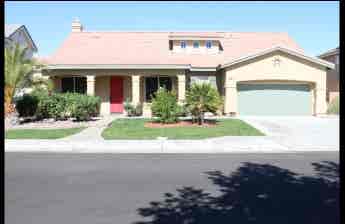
41, 133
131, 129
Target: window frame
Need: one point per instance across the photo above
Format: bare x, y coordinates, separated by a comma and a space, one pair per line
158, 85
74, 84
210, 44
194, 42
183, 43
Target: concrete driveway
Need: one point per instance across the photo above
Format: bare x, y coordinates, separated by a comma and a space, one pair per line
294, 132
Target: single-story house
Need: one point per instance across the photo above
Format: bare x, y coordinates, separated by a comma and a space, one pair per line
256, 73
333, 74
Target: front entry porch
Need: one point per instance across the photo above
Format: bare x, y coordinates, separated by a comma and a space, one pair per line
117, 87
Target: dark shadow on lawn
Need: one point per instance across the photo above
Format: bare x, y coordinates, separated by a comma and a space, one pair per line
254, 193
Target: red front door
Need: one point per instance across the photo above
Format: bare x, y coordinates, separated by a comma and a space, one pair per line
116, 94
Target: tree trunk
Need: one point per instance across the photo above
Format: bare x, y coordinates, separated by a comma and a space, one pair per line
201, 119
8, 99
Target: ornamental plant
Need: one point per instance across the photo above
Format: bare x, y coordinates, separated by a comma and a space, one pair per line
165, 107
202, 98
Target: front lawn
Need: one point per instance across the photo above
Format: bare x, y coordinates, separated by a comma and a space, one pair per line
134, 129
41, 133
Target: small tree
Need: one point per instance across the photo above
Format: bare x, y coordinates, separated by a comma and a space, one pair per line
202, 98
165, 106
17, 70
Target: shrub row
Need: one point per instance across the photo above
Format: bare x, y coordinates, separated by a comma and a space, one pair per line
59, 106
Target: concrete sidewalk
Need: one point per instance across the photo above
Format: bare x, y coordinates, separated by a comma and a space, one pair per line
233, 144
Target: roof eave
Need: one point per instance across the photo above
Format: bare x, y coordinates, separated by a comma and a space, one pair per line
286, 50
115, 66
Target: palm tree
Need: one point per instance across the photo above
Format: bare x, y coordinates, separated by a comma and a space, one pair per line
17, 69
202, 98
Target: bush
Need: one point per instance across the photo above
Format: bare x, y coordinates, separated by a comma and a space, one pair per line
27, 105
61, 106
84, 107
131, 109
202, 98
333, 107
165, 106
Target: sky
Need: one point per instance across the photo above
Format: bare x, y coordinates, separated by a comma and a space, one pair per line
313, 25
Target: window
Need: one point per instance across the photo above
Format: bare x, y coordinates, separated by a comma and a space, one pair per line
73, 85
208, 44
196, 44
153, 83
183, 44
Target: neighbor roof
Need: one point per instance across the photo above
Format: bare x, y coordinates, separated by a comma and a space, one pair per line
12, 28
152, 48
330, 52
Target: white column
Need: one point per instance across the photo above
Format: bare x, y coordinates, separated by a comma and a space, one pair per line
181, 87
90, 79
321, 103
230, 101
135, 89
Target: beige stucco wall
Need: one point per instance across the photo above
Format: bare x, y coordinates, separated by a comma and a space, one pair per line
102, 90
57, 83
262, 68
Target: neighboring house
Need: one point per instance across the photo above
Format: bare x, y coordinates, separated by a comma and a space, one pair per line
256, 73
18, 34
332, 75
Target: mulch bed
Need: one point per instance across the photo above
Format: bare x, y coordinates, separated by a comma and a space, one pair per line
153, 124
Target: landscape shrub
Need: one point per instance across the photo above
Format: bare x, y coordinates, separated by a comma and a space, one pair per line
165, 107
131, 109
333, 107
61, 106
85, 107
26, 105
202, 98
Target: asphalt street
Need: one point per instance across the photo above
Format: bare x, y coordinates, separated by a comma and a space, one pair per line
60, 188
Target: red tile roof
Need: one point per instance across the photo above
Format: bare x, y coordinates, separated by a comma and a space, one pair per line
153, 48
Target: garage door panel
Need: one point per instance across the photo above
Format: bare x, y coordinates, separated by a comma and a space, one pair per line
274, 99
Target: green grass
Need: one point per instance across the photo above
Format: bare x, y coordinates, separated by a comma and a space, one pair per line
333, 107
41, 133
134, 129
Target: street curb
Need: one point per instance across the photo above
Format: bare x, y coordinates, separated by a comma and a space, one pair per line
152, 147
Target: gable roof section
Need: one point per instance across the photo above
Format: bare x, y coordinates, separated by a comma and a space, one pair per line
152, 48
282, 49
10, 29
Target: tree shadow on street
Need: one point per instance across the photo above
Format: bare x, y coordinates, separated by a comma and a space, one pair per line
254, 193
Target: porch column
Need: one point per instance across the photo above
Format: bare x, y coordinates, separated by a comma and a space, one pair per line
135, 89
230, 101
181, 86
90, 88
